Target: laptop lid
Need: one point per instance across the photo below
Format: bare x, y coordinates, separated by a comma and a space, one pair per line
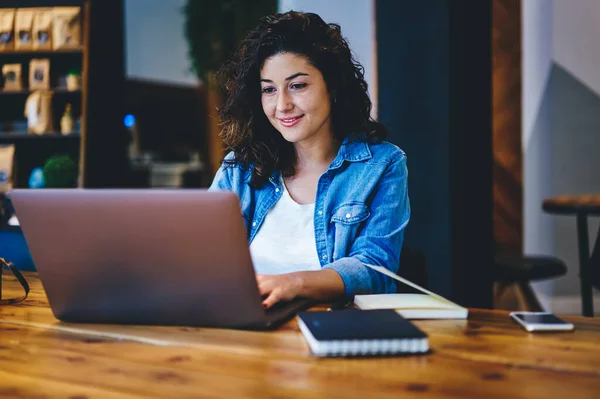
165, 257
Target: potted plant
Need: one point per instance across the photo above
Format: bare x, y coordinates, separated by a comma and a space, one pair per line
60, 171
213, 29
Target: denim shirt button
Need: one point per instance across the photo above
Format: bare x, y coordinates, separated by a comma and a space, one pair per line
254, 224
324, 256
348, 216
320, 212
277, 190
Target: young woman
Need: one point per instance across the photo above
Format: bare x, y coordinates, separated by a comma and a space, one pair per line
321, 193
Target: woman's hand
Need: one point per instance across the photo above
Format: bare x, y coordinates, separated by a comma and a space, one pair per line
279, 287
322, 285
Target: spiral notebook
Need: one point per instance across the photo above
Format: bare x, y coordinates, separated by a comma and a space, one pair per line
356, 332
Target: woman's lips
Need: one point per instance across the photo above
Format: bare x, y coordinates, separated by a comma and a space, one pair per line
289, 122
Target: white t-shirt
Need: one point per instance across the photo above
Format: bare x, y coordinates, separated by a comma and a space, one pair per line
285, 242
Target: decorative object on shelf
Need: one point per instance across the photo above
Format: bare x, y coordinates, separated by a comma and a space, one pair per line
7, 153
42, 25
23, 29
39, 74
73, 80
7, 18
66, 27
11, 74
38, 110
60, 171
66, 122
36, 178
213, 29
133, 149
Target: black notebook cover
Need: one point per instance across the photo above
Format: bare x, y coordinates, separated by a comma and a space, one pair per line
354, 324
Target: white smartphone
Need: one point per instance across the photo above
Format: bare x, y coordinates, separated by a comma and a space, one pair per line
541, 321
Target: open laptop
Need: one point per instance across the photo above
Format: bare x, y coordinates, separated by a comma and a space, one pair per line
161, 257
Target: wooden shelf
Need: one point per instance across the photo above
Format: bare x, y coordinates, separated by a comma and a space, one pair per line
19, 136
44, 52
56, 90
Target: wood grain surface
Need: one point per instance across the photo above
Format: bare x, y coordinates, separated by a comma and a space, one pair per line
585, 203
486, 356
506, 121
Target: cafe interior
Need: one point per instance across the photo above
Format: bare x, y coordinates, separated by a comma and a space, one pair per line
495, 102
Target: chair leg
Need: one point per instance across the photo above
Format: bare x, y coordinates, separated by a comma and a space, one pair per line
504, 296
499, 289
587, 301
528, 297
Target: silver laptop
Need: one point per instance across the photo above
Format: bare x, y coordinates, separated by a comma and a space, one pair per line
147, 256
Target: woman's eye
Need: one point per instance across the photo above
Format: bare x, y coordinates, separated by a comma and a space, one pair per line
268, 90
298, 86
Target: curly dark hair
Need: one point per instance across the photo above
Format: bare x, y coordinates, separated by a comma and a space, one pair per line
245, 128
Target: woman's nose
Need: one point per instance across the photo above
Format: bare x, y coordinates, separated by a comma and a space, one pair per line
284, 102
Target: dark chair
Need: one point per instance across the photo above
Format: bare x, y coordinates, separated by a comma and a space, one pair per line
594, 263
413, 267
521, 271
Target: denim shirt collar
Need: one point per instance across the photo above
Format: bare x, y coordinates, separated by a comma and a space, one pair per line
275, 177
351, 150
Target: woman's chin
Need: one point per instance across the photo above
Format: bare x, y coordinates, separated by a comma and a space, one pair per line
291, 137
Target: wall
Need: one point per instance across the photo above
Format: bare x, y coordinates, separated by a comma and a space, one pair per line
576, 126
145, 19
561, 132
575, 45
435, 68
357, 21
575, 169
536, 133
155, 48
418, 118
537, 59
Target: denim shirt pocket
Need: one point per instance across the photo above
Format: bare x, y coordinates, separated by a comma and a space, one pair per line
347, 218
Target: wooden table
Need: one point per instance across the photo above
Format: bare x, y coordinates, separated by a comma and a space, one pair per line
487, 356
581, 206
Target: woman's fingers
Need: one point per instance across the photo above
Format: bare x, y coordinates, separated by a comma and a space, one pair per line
264, 284
271, 300
267, 286
276, 288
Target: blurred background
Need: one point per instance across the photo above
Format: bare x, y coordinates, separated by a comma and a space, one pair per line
496, 103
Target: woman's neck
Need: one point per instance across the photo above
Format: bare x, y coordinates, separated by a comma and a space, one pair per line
315, 155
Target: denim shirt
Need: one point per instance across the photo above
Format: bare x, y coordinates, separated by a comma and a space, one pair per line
361, 211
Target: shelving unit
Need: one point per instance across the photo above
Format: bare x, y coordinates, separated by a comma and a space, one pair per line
100, 146
32, 150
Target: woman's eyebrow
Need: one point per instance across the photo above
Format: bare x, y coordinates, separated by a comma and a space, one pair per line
294, 76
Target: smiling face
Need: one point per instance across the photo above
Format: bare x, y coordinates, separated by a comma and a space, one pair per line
295, 99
